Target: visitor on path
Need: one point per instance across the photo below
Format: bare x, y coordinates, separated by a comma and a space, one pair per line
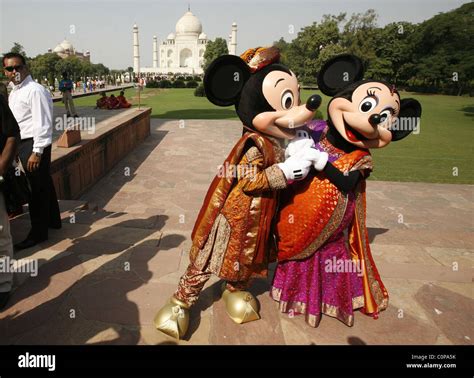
65, 87
113, 103
102, 102
32, 106
9, 138
123, 103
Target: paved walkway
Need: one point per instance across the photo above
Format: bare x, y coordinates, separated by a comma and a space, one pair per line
89, 119
123, 247
57, 95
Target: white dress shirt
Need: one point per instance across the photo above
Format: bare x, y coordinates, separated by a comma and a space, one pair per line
32, 106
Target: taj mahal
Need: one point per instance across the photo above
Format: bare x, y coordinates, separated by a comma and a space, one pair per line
182, 52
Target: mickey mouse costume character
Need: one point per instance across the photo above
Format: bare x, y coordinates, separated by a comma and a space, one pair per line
232, 235
320, 270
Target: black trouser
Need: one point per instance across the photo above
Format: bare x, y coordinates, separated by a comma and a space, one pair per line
43, 205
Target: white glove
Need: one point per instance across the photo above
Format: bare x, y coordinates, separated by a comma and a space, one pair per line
321, 161
318, 158
303, 147
301, 141
295, 169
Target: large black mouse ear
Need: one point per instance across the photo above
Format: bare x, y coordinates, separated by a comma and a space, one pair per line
339, 72
408, 119
224, 79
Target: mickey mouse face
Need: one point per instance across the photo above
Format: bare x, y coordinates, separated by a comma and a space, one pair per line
267, 100
284, 112
281, 89
365, 113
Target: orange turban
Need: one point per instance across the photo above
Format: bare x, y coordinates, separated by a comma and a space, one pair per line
260, 57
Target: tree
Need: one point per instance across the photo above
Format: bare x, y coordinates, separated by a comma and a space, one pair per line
359, 35
436, 55
99, 69
44, 66
283, 46
214, 49
72, 65
393, 53
444, 52
17, 48
303, 52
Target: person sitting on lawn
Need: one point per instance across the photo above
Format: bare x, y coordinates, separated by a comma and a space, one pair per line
102, 101
113, 103
123, 101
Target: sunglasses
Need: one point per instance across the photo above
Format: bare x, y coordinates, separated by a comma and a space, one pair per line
16, 68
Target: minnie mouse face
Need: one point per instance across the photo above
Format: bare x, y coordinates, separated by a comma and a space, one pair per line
365, 113
267, 100
365, 119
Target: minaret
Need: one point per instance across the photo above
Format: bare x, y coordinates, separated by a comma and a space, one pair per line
155, 52
233, 40
136, 51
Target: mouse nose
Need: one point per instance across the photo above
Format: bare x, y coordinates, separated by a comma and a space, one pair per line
313, 102
375, 119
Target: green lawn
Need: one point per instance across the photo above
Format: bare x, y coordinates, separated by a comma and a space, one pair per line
443, 145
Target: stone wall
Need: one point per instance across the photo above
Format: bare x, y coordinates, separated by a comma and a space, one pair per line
76, 169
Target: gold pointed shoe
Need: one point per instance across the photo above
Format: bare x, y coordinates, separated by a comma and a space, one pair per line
173, 318
241, 306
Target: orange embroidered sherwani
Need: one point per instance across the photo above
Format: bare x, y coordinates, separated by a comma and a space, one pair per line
232, 235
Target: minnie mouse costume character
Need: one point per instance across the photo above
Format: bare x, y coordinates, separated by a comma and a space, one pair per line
232, 234
320, 270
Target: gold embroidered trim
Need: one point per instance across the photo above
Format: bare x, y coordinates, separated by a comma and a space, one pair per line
278, 149
331, 226
328, 147
358, 302
215, 246
326, 309
251, 236
202, 255
220, 244
375, 288
365, 163
253, 154
275, 177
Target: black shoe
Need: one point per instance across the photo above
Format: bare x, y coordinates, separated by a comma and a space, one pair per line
68, 115
28, 243
4, 299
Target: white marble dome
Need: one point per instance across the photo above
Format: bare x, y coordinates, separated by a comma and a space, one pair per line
58, 49
66, 45
188, 24
171, 36
202, 36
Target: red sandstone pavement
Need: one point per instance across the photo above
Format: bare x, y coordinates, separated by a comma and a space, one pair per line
124, 245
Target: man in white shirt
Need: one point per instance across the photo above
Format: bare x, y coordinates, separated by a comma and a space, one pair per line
32, 106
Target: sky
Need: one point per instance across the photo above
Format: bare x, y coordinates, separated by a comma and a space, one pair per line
104, 27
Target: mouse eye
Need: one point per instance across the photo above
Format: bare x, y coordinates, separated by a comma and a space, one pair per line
367, 104
386, 114
287, 100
